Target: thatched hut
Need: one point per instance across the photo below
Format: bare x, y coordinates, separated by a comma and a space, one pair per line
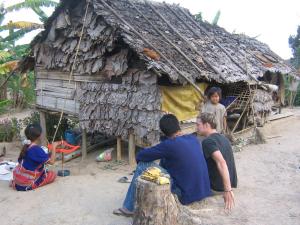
137, 59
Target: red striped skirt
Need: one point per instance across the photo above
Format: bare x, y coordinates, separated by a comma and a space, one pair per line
30, 180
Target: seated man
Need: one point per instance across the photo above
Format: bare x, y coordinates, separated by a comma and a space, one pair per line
219, 157
181, 157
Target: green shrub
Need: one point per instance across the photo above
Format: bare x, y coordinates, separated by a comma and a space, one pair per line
9, 129
51, 124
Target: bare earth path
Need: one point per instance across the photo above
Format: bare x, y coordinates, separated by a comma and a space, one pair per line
268, 193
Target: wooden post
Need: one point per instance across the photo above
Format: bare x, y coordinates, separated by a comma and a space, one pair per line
119, 149
44, 128
83, 145
131, 149
155, 205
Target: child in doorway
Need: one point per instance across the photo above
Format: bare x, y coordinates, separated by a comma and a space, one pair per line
213, 106
30, 172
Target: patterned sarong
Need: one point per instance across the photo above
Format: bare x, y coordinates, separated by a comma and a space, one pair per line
30, 180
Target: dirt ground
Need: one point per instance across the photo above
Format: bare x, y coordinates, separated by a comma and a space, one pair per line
268, 192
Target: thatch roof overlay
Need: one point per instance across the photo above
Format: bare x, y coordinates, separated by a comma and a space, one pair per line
165, 37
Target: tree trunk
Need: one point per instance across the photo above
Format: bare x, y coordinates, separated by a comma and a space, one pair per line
155, 205
3, 91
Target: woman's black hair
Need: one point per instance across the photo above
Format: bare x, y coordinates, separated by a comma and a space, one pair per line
32, 133
169, 125
214, 90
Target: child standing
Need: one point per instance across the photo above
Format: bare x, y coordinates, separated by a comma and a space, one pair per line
213, 106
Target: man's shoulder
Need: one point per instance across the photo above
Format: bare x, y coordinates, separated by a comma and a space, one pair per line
214, 138
209, 140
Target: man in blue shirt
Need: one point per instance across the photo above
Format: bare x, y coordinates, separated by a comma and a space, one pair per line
182, 157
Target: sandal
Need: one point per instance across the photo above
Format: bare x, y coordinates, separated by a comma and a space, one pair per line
122, 212
124, 180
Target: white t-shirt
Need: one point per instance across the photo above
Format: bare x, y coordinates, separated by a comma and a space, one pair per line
219, 111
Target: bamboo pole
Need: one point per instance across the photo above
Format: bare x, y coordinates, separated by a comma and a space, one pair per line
237, 123
44, 128
119, 149
131, 149
84, 145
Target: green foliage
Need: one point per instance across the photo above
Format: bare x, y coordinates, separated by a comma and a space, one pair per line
198, 17
2, 13
4, 106
35, 5
34, 118
215, 21
297, 98
24, 85
294, 42
9, 129
4, 55
10, 54
51, 124
216, 18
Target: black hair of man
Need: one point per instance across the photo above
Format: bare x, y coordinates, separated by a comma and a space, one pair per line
169, 125
214, 90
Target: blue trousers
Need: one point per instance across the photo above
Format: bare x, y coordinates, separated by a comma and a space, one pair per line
131, 193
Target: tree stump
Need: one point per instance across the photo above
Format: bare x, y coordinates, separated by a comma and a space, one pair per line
155, 205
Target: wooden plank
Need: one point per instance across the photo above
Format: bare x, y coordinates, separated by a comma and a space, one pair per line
280, 116
69, 105
58, 103
58, 75
84, 144
71, 84
49, 87
48, 82
46, 101
52, 110
119, 149
64, 95
131, 149
44, 128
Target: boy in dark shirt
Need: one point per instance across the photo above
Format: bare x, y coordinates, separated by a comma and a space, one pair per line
219, 157
181, 156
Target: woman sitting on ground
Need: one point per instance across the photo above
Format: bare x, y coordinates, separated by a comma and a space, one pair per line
30, 172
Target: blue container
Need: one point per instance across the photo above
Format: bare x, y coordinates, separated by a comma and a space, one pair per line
228, 100
70, 137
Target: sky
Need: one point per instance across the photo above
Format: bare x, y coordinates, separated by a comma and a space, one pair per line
271, 21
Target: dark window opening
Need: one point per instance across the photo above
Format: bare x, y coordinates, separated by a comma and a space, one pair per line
116, 80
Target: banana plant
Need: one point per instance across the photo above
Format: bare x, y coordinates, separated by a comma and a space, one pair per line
10, 53
35, 5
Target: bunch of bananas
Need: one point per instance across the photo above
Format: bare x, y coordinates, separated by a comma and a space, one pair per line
155, 175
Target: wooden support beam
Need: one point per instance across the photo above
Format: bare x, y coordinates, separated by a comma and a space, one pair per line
241, 116
131, 149
119, 149
84, 144
44, 128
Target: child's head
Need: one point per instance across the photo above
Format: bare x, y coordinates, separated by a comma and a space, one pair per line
33, 132
214, 94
